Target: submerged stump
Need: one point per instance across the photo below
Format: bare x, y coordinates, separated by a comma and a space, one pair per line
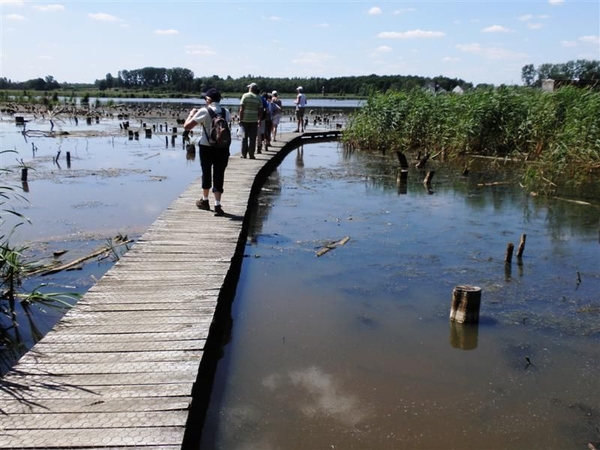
466, 301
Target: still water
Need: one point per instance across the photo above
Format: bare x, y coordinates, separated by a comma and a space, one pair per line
354, 349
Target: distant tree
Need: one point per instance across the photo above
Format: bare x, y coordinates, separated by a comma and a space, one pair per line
528, 74
110, 81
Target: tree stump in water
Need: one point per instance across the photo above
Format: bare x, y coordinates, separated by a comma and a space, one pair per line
465, 304
402, 160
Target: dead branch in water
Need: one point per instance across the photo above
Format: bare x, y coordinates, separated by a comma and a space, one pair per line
50, 269
332, 245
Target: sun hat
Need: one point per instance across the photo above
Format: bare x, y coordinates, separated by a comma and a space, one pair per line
274, 93
253, 86
299, 88
213, 93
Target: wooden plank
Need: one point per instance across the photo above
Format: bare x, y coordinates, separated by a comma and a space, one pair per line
107, 405
94, 437
81, 421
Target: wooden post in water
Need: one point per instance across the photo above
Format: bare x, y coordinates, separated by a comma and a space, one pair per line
521, 248
466, 301
509, 253
429, 177
24, 174
402, 160
68, 159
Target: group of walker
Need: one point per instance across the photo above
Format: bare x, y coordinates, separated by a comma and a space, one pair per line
259, 117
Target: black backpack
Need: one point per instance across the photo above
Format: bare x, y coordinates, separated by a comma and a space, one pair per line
220, 134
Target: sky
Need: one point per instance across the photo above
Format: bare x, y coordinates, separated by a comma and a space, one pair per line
478, 41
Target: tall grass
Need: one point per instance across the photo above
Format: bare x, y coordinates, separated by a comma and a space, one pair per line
557, 135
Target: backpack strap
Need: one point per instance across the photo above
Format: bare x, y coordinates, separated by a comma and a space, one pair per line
212, 115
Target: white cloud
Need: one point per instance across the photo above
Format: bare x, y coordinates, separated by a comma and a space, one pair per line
49, 8
568, 44
525, 17
44, 57
450, 59
166, 32
322, 25
199, 50
413, 34
534, 26
15, 17
382, 49
374, 11
403, 10
496, 29
495, 53
274, 18
556, 2
12, 2
104, 17
590, 39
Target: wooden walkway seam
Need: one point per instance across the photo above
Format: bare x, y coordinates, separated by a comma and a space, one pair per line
119, 370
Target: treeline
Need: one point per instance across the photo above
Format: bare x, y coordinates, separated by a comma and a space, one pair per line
181, 80
581, 72
160, 80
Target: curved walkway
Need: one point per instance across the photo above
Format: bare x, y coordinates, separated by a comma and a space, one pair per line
121, 368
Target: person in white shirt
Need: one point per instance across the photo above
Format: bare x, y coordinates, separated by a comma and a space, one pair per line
213, 161
300, 107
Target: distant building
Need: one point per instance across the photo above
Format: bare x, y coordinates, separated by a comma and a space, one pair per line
458, 90
548, 85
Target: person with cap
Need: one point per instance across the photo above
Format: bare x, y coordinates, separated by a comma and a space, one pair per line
277, 110
300, 107
251, 106
213, 161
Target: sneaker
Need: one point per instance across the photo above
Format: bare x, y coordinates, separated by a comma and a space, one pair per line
203, 204
219, 211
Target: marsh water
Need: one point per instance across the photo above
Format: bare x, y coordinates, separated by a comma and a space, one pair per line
353, 349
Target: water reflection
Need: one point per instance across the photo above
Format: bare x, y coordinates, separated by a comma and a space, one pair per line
317, 395
464, 336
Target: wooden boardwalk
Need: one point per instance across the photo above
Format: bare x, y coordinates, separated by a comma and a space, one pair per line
121, 368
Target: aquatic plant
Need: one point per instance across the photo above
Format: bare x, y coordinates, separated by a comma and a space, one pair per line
555, 135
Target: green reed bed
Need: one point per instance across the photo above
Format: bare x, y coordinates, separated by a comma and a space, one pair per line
555, 135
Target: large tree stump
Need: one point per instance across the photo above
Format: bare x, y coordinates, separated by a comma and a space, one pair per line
465, 304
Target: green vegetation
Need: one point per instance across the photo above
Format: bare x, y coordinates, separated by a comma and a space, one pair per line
178, 82
556, 135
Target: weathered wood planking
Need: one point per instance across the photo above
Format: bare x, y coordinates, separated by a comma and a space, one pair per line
118, 370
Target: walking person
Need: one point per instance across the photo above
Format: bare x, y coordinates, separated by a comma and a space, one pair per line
266, 123
250, 113
213, 160
276, 109
300, 107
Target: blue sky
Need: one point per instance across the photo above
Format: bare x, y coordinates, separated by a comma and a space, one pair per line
476, 40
